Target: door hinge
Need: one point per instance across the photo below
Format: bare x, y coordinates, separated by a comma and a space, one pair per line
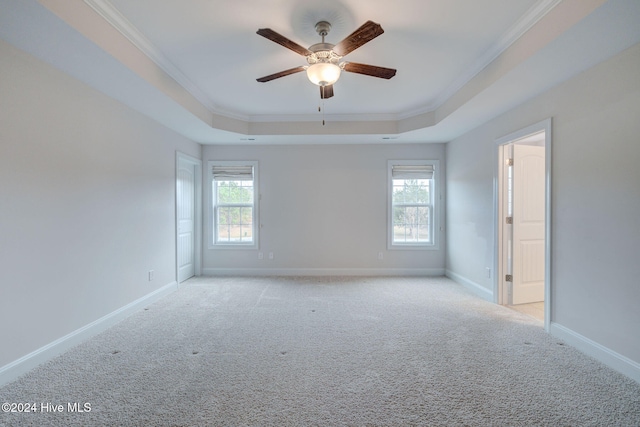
509, 162
509, 220
508, 278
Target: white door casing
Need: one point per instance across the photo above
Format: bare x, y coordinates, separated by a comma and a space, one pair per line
186, 221
528, 224
537, 134
187, 204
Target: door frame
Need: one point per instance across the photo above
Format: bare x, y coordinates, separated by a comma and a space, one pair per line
197, 200
500, 296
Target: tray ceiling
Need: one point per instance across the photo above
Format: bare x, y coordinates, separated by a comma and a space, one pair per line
193, 64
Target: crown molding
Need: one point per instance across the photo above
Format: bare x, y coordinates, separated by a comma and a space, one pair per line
528, 20
267, 118
231, 114
110, 14
429, 108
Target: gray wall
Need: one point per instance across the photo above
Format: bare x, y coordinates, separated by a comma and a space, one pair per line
87, 204
323, 211
595, 200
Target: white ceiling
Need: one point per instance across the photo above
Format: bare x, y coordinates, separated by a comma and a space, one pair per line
459, 62
214, 42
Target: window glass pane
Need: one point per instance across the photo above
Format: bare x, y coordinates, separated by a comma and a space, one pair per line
411, 223
235, 231
410, 191
422, 193
222, 191
246, 195
246, 233
422, 234
223, 233
234, 215
223, 215
244, 192
398, 216
246, 216
398, 191
399, 235
223, 218
235, 191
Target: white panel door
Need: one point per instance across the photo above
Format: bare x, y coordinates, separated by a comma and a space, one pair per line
185, 207
528, 224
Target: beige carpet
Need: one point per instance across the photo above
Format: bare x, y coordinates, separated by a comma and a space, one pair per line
325, 352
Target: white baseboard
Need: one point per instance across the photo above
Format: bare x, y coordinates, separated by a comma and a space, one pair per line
614, 360
474, 287
21, 366
323, 271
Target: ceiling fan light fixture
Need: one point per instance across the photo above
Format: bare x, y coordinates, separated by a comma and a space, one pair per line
323, 73
324, 58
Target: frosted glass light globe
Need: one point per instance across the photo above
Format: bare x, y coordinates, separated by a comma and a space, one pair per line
323, 73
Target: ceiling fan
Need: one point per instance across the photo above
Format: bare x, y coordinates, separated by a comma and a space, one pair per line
324, 59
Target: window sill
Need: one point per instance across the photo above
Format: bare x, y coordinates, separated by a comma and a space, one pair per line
413, 247
232, 246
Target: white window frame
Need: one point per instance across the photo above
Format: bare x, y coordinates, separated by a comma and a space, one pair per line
434, 214
213, 244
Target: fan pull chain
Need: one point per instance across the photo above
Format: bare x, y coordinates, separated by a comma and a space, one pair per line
321, 109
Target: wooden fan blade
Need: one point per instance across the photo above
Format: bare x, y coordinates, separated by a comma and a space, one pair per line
326, 91
283, 41
280, 74
367, 32
370, 70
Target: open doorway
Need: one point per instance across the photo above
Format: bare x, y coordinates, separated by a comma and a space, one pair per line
522, 213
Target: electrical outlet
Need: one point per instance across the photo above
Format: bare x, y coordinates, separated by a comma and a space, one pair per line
151, 274
260, 255
488, 272
270, 255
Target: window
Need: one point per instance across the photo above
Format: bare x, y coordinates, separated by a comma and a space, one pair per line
412, 195
234, 213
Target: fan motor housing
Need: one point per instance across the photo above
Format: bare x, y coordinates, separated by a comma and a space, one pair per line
320, 47
322, 52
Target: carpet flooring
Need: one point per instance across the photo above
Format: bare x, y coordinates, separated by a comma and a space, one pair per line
324, 351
